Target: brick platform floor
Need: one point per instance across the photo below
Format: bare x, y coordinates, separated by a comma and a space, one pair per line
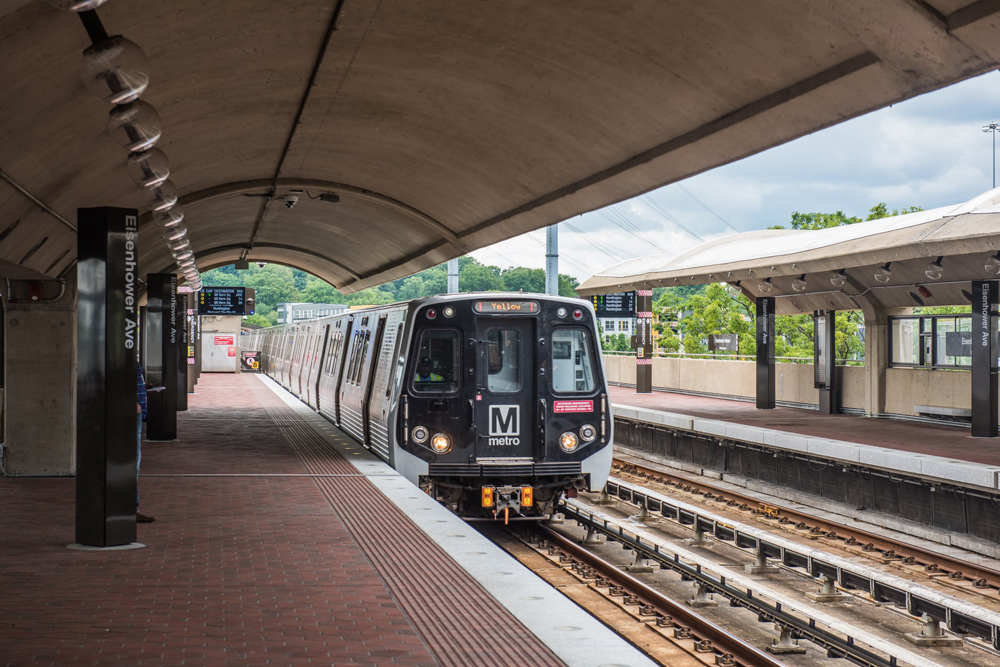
938, 440
267, 564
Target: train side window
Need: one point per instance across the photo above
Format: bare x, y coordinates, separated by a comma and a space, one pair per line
364, 355
504, 359
354, 357
572, 361
437, 362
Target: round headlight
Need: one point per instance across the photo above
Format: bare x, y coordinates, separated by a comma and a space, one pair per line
449, 311
568, 442
561, 312
420, 435
440, 443
588, 433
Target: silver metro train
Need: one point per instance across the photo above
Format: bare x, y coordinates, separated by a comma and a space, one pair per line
495, 404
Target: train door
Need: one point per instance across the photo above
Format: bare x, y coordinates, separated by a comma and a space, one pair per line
344, 346
504, 404
370, 380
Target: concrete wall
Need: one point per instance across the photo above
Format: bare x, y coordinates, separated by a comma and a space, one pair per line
40, 385
905, 387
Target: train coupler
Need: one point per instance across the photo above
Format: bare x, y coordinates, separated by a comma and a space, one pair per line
507, 500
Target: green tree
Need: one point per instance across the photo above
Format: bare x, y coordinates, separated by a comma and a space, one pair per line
413, 288
320, 291
480, 278
880, 210
517, 279
720, 310
258, 319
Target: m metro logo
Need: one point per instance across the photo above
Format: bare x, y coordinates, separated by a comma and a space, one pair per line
505, 425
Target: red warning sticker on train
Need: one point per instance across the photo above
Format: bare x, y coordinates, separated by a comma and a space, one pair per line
573, 406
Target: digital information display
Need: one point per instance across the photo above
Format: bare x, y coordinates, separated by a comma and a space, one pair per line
222, 301
616, 304
506, 307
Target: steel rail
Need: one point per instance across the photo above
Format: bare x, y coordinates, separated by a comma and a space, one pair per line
980, 575
836, 646
960, 616
742, 652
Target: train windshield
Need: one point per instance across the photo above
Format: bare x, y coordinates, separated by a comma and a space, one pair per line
437, 362
572, 362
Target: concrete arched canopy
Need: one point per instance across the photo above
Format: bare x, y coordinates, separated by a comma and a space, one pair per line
441, 126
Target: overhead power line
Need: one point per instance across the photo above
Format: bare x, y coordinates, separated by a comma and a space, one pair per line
707, 208
662, 211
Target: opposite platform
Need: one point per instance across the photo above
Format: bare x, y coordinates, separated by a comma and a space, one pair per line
946, 453
279, 541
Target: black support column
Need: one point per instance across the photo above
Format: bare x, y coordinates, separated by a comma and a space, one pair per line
189, 357
984, 358
825, 359
765, 353
161, 356
107, 252
644, 341
182, 347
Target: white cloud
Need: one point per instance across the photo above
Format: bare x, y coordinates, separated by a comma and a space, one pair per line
929, 152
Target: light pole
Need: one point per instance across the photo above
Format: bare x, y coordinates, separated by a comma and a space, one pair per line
993, 127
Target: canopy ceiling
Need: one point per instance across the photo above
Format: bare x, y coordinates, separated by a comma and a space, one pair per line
442, 126
963, 236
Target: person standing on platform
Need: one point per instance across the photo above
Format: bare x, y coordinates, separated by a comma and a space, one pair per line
140, 413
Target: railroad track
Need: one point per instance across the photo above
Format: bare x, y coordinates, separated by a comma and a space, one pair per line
979, 576
709, 637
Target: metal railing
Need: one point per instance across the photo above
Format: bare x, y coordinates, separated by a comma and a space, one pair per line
732, 357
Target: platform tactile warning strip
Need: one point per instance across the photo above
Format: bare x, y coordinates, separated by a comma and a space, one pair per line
255, 559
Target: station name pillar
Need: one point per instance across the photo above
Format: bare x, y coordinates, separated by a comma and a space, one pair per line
106, 394
182, 347
162, 334
984, 358
825, 359
188, 360
765, 353
644, 341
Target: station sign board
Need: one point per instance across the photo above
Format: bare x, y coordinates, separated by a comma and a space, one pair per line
958, 343
222, 301
616, 304
723, 343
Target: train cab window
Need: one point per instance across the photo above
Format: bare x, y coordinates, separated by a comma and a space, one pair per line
572, 361
504, 358
437, 362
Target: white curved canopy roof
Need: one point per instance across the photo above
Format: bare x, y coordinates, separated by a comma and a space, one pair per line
964, 235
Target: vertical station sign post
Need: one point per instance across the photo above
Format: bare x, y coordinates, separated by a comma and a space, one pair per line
984, 358
825, 359
162, 335
643, 341
190, 315
182, 347
765, 353
106, 393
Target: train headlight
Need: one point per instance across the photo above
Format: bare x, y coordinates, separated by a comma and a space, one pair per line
569, 442
588, 433
562, 312
449, 311
420, 435
440, 443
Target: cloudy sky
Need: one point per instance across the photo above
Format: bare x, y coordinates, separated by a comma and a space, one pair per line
929, 151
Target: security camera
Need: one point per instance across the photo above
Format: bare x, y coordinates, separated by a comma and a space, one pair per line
291, 201
261, 265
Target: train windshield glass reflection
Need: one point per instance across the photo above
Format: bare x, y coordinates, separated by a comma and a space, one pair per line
504, 374
437, 362
572, 366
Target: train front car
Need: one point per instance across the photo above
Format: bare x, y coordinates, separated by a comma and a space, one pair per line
503, 404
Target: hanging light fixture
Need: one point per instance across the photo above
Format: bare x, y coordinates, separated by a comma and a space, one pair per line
764, 286
115, 70
934, 269
77, 5
839, 278
171, 217
883, 273
134, 126
148, 168
175, 233
799, 284
161, 197
993, 264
